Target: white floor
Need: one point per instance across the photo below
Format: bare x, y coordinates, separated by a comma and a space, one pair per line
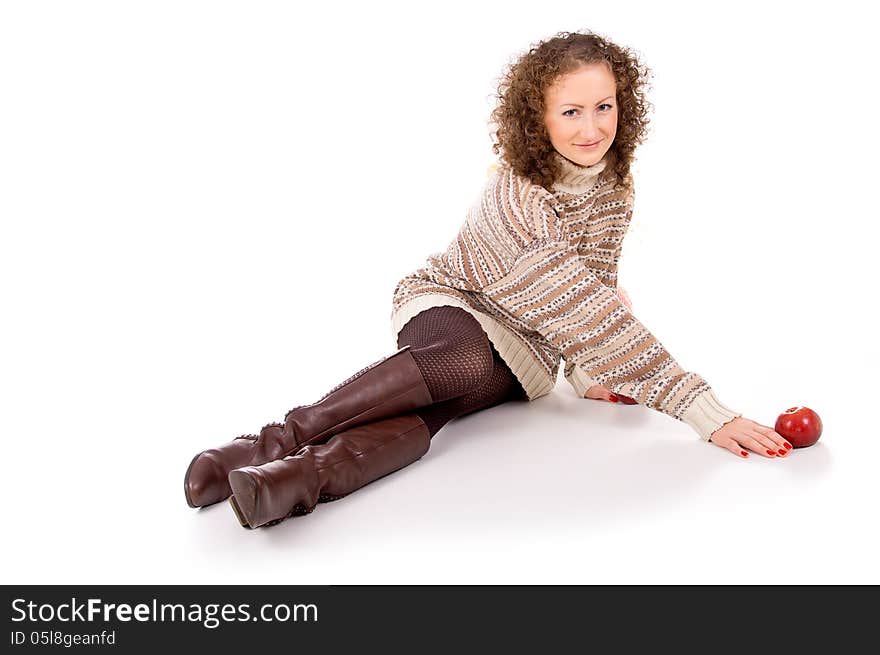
561, 490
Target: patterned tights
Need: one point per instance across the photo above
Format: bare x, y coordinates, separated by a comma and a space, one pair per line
461, 367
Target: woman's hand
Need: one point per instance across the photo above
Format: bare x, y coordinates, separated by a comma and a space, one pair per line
598, 392
743, 433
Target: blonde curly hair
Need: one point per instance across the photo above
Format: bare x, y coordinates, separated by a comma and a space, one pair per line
521, 136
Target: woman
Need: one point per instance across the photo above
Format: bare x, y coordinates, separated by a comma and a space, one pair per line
530, 280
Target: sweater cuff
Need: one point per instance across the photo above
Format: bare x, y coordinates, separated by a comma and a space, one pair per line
706, 414
578, 379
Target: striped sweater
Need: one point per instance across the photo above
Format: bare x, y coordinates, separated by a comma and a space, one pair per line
538, 269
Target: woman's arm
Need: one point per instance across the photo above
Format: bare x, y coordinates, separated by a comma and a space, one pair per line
583, 385
544, 285
548, 289
597, 391
552, 292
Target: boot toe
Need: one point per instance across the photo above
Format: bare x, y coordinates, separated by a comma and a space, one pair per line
205, 481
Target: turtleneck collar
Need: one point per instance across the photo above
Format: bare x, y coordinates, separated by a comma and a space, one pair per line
576, 178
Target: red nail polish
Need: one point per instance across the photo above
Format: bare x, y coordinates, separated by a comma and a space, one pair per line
770, 452
613, 398
782, 452
787, 446
743, 453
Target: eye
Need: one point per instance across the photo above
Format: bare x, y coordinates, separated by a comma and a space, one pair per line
604, 104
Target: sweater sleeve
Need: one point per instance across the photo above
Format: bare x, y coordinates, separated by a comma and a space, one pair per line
574, 375
548, 289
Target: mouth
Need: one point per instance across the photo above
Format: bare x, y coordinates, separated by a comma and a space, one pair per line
588, 145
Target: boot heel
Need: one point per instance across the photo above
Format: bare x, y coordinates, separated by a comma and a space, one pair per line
238, 513
244, 499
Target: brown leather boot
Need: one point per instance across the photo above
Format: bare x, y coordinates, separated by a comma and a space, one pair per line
294, 485
392, 386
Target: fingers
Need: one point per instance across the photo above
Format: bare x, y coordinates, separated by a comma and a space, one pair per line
758, 443
751, 438
598, 392
778, 441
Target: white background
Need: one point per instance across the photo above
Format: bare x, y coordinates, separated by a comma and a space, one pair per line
206, 207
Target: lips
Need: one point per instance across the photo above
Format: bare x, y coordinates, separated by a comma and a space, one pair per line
588, 144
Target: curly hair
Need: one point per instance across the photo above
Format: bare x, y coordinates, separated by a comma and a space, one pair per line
522, 137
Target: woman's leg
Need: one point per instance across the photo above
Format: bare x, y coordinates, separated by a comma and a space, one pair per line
349, 460
451, 350
444, 353
500, 387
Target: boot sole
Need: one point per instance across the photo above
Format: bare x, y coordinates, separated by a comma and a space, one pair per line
244, 497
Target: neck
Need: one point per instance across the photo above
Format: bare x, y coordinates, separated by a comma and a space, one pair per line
575, 178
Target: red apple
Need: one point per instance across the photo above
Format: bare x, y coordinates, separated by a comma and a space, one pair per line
801, 426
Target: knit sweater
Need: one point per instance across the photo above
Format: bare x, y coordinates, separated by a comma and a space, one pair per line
538, 269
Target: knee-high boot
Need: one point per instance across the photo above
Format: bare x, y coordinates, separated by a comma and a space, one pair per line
392, 386
294, 485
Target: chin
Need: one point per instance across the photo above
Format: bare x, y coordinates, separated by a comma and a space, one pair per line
588, 159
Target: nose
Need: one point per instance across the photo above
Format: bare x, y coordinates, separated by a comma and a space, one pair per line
589, 131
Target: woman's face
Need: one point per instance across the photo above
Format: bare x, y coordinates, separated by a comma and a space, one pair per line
581, 108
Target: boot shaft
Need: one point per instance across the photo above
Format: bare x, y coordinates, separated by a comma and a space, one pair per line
392, 386
346, 462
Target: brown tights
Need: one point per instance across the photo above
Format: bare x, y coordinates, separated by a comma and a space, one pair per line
461, 367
